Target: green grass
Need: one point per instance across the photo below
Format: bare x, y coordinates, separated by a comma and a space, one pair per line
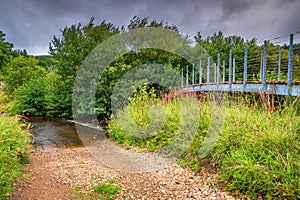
102, 191
14, 140
107, 190
6, 102
258, 150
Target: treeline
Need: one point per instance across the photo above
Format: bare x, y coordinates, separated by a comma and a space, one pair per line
43, 85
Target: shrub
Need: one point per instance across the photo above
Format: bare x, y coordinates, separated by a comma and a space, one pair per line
257, 153
21, 70
14, 140
30, 98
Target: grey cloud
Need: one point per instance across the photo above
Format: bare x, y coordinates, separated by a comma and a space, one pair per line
32, 24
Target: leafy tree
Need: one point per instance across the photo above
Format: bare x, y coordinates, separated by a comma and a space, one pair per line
5, 51
30, 97
219, 44
76, 43
20, 52
21, 70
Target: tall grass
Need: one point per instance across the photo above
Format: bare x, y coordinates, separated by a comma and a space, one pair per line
14, 141
257, 153
6, 102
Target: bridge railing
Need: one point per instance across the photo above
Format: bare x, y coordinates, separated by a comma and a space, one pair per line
212, 77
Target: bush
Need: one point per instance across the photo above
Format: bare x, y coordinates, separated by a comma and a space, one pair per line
44, 95
58, 96
21, 70
6, 102
30, 98
257, 153
14, 140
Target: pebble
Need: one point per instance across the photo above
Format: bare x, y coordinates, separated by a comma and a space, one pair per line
171, 182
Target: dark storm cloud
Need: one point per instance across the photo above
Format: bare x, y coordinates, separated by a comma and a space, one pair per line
32, 24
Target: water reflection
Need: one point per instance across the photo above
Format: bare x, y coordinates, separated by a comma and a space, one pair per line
49, 133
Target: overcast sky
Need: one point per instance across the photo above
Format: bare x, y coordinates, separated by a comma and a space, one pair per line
31, 24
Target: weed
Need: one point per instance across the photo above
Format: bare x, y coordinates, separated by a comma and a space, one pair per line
14, 141
257, 152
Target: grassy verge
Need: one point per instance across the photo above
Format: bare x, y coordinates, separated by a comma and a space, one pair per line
5, 102
14, 140
257, 153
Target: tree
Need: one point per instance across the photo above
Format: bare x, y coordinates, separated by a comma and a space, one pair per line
5, 51
219, 44
76, 43
21, 70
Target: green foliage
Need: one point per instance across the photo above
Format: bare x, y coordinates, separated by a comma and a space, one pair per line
30, 97
138, 130
57, 97
107, 190
46, 61
21, 70
6, 102
257, 153
14, 140
5, 51
78, 41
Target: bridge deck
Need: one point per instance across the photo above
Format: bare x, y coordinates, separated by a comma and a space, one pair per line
272, 87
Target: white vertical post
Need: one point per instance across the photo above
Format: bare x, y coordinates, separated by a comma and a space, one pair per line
207, 71
218, 69
261, 66
233, 71
264, 68
290, 65
193, 75
230, 69
245, 67
187, 76
181, 76
279, 63
224, 71
200, 72
215, 72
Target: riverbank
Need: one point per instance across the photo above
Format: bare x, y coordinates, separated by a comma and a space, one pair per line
72, 173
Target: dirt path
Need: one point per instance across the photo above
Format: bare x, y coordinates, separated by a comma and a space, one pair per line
55, 175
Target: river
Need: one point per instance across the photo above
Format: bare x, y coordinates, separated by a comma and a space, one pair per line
51, 133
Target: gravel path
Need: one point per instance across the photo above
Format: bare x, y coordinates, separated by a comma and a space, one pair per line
54, 174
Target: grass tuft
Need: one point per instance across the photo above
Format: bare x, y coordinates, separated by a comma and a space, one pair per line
258, 150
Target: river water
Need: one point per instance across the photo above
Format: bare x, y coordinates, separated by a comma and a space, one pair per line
51, 133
